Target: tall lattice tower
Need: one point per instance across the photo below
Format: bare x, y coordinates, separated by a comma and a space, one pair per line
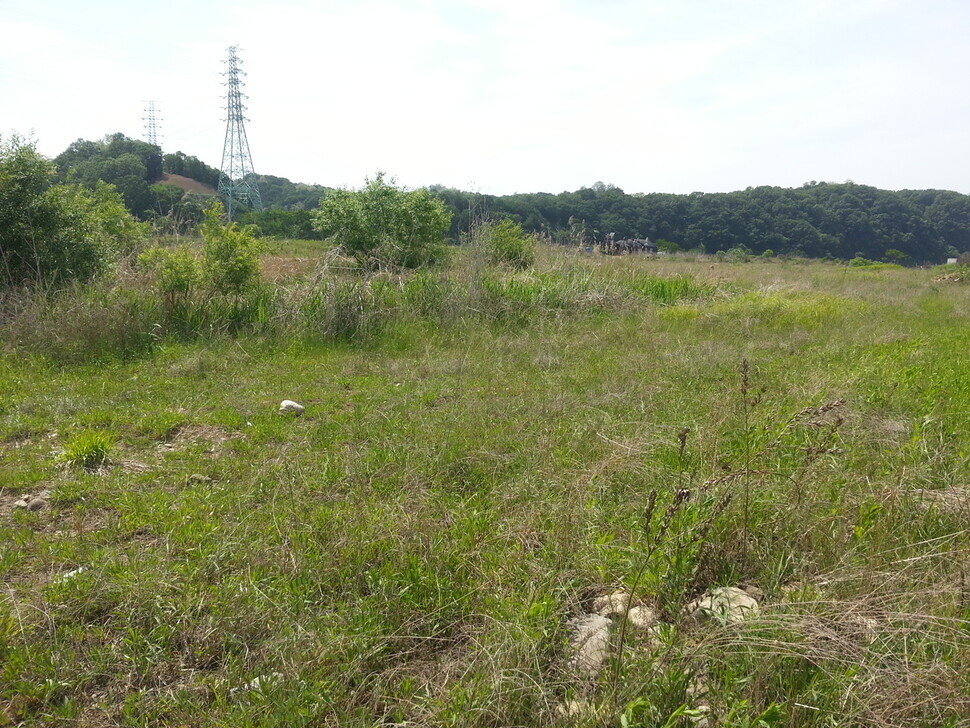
237, 180
151, 120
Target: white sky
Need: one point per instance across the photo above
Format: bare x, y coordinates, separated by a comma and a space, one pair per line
504, 96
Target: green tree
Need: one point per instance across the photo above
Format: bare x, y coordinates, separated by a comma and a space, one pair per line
894, 256
383, 225
52, 233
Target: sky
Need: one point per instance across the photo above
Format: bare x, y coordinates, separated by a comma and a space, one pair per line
504, 96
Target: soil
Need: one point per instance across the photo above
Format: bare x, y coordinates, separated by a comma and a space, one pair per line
188, 184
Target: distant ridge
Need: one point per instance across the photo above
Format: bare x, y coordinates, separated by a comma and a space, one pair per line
188, 184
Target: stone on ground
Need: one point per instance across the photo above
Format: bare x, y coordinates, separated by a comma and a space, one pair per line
642, 617
611, 605
590, 643
727, 604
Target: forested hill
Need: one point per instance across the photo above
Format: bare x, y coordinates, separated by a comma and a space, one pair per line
816, 220
137, 170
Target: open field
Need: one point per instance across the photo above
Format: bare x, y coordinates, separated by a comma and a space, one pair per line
481, 457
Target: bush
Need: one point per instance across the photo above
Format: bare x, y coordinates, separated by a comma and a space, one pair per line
230, 254
175, 272
384, 226
55, 233
505, 243
737, 254
667, 246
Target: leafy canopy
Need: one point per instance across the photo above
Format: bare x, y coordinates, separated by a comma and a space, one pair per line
382, 225
53, 233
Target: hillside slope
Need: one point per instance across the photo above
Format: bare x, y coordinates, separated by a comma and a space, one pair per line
188, 184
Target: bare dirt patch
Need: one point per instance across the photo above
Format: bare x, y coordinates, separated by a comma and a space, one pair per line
188, 184
188, 435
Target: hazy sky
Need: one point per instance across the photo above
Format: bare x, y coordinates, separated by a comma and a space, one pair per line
504, 96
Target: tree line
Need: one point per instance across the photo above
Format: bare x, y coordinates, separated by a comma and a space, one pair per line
818, 220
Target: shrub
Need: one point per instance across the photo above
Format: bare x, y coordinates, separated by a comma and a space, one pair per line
737, 254
895, 256
505, 243
54, 233
175, 271
382, 225
230, 254
667, 246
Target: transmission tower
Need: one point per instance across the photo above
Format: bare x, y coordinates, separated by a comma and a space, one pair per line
151, 123
237, 180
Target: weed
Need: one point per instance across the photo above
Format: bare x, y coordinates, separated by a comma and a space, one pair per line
88, 449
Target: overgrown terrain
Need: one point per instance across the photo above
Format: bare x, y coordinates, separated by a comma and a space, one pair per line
485, 451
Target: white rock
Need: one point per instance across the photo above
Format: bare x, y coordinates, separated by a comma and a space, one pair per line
71, 574
258, 684
22, 503
727, 604
641, 617
288, 406
574, 708
611, 605
590, 643
702, 720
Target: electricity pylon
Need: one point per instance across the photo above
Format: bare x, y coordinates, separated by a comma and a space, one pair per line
151, 124
237, 180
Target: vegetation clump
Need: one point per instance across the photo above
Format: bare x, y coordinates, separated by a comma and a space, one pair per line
50, 233
384, 226
506, 243
88, 449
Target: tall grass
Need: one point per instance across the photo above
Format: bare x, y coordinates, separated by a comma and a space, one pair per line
125, 317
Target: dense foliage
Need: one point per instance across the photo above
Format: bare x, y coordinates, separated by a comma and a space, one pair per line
817, 220
191, 167
845, 220
294, 224
281, 194
136, 168
129, 164
384, 225
51, 233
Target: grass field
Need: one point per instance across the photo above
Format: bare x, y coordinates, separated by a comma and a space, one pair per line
481, 456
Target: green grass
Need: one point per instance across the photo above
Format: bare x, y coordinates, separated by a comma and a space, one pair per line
481, 454
88, 449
